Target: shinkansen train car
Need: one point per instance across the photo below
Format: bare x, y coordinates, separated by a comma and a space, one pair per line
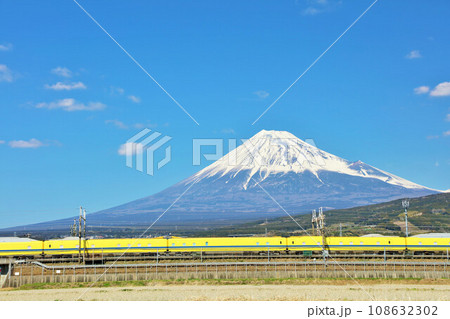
227, 244
20, 247
67, 246
388, 244
304, 243
126, 245
428, 244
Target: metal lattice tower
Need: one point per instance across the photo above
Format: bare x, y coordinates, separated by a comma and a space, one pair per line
405, 204
314, 221
81, 233
318, 224
73, 228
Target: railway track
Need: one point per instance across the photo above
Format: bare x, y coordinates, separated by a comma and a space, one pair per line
26, 272
100, 259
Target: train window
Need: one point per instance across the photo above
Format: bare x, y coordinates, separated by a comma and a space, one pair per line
351, 243
378, 242
184, 244
118, 245
420, 243
49, 246
292, 243
268, 243
435, 243
193, 244
361, 243
29, 247
139, 245
129, 245
92, 246
389, 242
257, 243
303, 243
173, 244
281, 242
149, 245
206, 244
318, 243
61, 246
77, 246
341, 243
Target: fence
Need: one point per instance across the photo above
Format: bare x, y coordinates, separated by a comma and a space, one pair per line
35, 272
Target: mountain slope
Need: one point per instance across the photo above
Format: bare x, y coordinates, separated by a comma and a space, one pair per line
297, 175
426, 214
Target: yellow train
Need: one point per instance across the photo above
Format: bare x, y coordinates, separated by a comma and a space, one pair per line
301, 244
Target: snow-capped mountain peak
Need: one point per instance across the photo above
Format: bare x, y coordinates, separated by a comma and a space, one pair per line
274, 152
298, 176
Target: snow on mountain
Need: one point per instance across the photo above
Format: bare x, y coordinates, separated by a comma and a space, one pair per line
271, 152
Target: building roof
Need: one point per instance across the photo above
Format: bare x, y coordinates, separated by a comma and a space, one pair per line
14, 239
433, 235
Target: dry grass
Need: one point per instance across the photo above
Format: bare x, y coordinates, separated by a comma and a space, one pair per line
238, 289
246, 292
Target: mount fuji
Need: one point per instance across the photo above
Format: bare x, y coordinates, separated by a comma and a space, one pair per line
271, 166
271, 169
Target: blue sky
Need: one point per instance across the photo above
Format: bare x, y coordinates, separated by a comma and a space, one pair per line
69, 97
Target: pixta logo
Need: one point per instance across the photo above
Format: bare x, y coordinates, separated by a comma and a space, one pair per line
143, 146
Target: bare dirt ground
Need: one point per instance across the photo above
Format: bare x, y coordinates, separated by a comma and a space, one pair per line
325, 290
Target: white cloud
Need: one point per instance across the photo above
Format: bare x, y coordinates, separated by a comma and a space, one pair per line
117, 124
130, 148
2, 142
124, 126
228, 131
422, 89
447, 118
117, 90
414, 54
314, 7
134, 98
140, 126
62, 71
59, 86
32, 143
70, 105
442, 89
310, 11
446, 133
261, 94
6, 47
5, 74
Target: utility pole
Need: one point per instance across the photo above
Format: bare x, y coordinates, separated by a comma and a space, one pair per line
84, 234
313, 221
81, 233
340, 229
405, 204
